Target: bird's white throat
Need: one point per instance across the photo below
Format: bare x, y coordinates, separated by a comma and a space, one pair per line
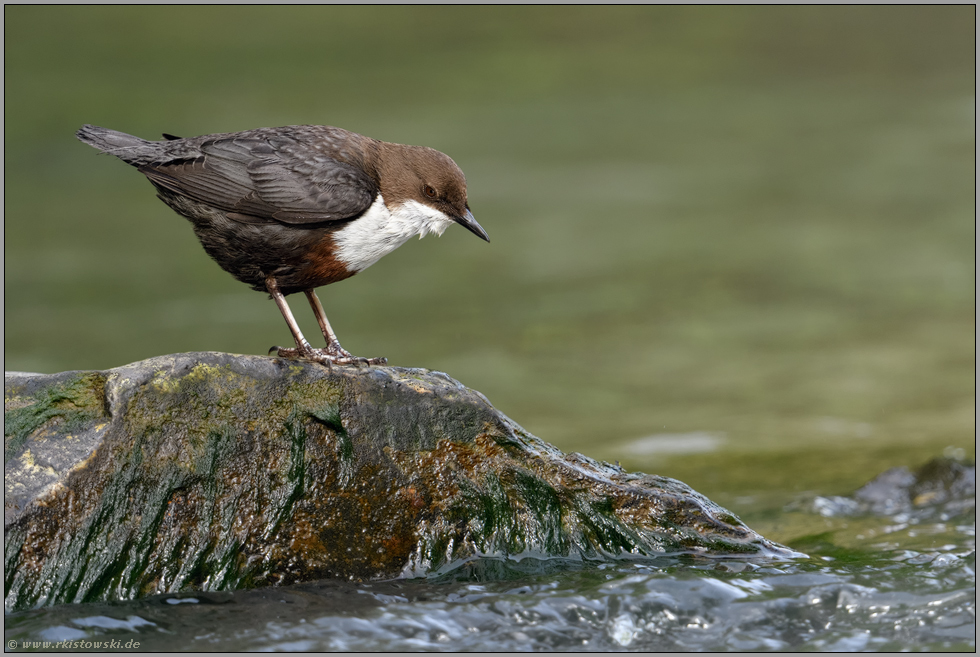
381, 230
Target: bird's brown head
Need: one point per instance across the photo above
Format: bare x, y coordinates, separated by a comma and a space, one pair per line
430, 178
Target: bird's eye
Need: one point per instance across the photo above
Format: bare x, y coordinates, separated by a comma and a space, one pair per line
429, 191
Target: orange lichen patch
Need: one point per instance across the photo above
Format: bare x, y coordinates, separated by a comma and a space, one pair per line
441, 469
417, 386
302, 542
415, 501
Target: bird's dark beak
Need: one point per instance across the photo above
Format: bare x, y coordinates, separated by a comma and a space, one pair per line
469, 223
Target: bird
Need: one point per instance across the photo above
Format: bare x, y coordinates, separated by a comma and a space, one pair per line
293, 208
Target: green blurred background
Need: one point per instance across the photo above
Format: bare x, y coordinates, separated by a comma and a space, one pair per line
734, 245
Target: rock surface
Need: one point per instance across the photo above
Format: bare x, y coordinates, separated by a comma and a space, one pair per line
215, 471
941, 489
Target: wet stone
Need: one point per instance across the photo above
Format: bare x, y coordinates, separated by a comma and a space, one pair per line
940, 489
941, 485
210, 471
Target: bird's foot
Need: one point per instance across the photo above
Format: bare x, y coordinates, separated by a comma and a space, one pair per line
332, 355
344, 357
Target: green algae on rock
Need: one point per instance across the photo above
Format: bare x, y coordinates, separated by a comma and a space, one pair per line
215, 471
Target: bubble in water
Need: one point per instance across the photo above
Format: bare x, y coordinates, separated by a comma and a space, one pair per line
623, 630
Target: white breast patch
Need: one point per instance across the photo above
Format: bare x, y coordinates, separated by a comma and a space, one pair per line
381, 230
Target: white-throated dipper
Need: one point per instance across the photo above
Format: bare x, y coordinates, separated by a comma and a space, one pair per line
290, 209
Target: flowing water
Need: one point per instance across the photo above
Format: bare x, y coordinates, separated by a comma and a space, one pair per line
730, 245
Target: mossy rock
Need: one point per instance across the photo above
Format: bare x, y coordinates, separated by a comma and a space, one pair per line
215, 471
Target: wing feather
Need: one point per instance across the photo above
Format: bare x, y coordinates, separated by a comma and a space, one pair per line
262, 177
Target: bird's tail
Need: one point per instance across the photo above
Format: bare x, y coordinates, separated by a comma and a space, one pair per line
127, 148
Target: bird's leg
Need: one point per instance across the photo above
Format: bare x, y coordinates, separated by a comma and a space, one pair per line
333, 344
334, 353
303, 348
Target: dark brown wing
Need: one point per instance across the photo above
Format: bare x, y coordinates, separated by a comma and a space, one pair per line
264, 178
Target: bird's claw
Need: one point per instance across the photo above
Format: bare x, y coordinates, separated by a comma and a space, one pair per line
343, 357
356, 360
338, 356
